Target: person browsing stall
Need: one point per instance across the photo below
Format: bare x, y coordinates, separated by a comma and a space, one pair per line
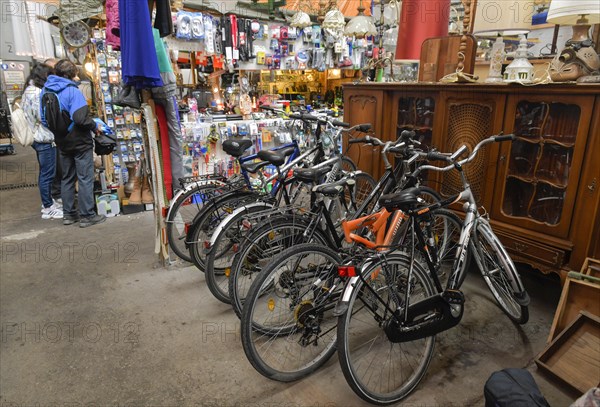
72, 128
43, 142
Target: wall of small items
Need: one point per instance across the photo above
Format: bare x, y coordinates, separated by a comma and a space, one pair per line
124, 121
202, 142
252, 44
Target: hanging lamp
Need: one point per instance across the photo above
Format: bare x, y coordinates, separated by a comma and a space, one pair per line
361, 25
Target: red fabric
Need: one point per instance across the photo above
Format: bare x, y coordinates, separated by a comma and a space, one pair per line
165, 149
112, 22
419, 20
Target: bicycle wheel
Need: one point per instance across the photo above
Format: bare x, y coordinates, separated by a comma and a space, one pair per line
445, 229
377, 370
183, 211
207, 221
288, 330
260, 246
348, 165
498, 271
226, 245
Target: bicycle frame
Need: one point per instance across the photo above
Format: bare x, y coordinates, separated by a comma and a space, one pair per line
427, 248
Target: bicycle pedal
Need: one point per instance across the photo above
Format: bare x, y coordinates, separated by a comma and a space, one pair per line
454, 296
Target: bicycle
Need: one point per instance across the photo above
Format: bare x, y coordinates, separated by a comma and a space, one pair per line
225, 240
210, 216
395, 304
196, 191
186, 204
259, 246
288, 328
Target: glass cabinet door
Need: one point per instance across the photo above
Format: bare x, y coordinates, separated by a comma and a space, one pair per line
542, 165
416, 113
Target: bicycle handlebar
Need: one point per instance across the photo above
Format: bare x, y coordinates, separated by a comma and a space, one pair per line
452, 158
506, 137
340, 123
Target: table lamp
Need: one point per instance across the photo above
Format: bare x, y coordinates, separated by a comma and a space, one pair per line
498, 18
578, 60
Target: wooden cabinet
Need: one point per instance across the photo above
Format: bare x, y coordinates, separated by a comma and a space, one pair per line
541, 191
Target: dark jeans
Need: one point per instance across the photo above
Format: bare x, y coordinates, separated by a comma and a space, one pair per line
57, 177
46, 156
78, 166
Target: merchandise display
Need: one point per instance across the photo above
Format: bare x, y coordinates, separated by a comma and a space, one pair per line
330, 169
115, 106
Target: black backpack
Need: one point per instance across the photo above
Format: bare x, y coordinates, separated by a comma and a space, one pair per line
59, 120
513, 388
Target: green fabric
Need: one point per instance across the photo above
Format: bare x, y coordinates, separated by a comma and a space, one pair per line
164, 64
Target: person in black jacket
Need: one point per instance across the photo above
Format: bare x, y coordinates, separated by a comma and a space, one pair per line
76, 147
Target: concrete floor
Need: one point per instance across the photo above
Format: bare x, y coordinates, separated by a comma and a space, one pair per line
88, 319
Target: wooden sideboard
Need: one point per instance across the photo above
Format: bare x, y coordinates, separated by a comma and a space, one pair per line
542, 191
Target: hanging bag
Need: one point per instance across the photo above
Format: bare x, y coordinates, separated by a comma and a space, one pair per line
128, 97
21, 129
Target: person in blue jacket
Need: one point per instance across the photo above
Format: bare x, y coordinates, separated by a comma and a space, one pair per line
75, 147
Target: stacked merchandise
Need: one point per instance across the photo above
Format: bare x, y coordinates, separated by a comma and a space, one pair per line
202, 142
235, 42
125, 121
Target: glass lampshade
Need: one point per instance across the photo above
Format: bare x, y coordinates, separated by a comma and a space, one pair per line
334, 19
360, 26
300, 20
567, 12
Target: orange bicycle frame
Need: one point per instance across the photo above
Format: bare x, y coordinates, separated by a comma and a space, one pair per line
376, 223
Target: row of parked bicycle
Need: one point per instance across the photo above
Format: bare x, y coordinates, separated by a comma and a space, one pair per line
320, 256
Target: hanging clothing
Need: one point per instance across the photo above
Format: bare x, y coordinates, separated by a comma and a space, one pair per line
163, 20
164, 96
112, 23
164, 150
138, 54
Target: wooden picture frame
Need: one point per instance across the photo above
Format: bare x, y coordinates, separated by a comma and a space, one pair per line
574, 356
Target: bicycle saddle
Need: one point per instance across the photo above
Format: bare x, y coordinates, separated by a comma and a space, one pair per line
236, 148
254, 167
403, 200
311, 174
334, 188
275, 157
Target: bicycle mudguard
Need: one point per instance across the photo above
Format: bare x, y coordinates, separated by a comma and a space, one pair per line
342, 305
252, 207
521, 295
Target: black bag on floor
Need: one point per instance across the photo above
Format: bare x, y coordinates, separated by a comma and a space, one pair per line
513, 388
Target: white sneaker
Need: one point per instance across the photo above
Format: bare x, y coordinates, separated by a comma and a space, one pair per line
57, 203
52, 213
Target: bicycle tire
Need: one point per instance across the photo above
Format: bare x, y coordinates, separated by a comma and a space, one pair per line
260, 246
226, 244
383, 360
446, 231
348, 165
283, 349
207, 221
498, 269
178, 220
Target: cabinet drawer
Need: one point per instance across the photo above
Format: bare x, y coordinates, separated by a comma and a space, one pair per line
533, 250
